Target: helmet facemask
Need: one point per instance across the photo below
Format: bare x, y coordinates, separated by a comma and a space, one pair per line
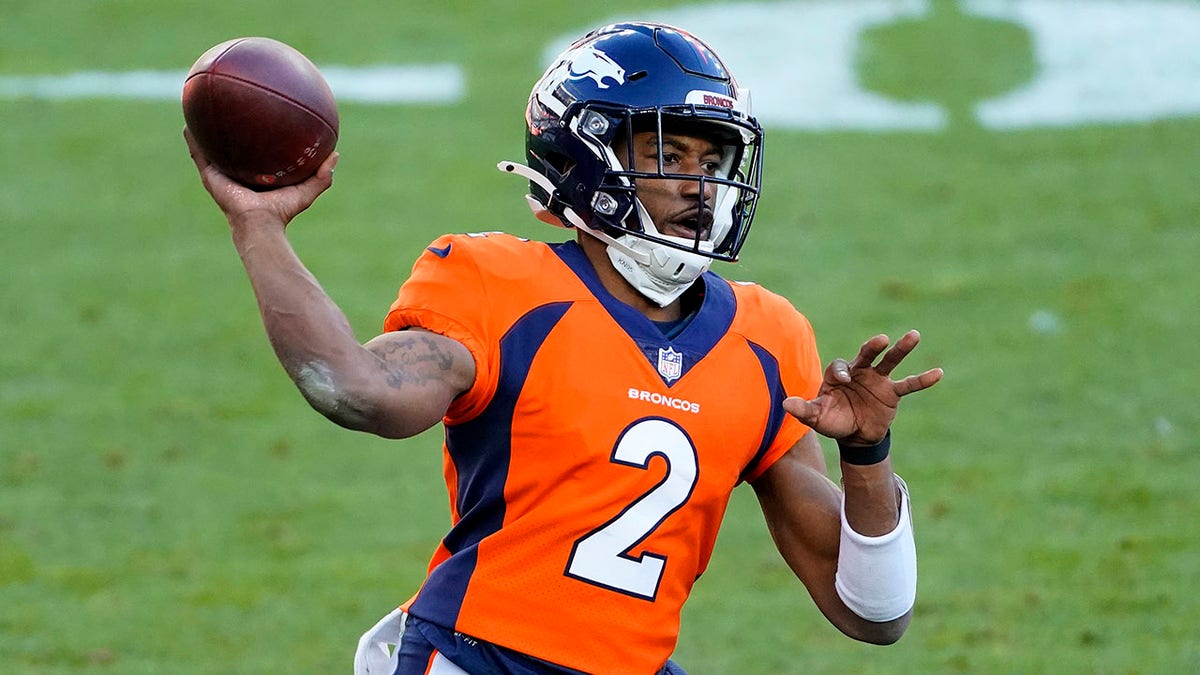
661, 263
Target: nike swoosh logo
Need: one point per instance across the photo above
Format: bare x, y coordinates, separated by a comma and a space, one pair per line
440, 252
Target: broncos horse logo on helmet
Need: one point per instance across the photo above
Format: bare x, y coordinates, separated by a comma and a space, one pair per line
650, 77
593, 63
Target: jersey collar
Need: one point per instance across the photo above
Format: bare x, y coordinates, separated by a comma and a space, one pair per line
710, 324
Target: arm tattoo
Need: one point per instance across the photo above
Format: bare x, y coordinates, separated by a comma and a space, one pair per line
415, 360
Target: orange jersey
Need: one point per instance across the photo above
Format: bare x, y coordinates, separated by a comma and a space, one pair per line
590, 464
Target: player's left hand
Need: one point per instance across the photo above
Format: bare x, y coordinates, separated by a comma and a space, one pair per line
857, 400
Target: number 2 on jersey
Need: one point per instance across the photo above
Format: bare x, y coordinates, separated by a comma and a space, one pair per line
602, 556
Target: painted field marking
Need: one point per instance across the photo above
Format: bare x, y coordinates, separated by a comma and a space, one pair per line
797, 59
1099, 61
441, 84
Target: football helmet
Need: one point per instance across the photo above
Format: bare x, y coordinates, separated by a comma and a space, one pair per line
626, 78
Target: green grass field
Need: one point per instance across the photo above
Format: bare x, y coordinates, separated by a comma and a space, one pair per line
169, 503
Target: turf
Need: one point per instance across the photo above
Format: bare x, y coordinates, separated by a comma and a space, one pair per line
168, 503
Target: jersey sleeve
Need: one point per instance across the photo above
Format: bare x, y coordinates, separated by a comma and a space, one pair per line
447, 294
795, 347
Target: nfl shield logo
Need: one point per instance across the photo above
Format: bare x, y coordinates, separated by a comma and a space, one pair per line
670, 364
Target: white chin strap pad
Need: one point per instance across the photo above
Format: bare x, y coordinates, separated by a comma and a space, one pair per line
877, 576
658, 272
667, 273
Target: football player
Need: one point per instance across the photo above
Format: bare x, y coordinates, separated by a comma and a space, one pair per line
603, 396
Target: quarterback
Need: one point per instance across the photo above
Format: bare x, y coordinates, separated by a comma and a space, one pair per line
602, 396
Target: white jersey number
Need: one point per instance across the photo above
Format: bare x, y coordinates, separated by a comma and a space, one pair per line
602, 557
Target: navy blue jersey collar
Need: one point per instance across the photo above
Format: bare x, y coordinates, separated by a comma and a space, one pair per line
710, 324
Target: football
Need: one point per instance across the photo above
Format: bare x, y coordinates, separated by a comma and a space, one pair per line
261, 111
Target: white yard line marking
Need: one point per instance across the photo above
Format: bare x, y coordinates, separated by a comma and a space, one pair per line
1100, 62
440, 84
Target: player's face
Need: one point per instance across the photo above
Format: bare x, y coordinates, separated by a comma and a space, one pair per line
677, 206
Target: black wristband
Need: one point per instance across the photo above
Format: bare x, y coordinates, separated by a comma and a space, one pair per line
864, 455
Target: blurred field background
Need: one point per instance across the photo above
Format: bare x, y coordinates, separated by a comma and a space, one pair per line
169, 504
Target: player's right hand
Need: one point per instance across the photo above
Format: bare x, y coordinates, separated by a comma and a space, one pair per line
243, 205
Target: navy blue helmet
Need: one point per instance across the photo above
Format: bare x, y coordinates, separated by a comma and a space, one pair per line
631, 77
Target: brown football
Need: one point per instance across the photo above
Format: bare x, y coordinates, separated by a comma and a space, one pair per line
261, 111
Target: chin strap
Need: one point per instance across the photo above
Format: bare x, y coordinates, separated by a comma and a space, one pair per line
667, 277
658, 272
573, 219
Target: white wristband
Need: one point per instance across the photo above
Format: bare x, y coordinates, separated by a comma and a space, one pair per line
877, 576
